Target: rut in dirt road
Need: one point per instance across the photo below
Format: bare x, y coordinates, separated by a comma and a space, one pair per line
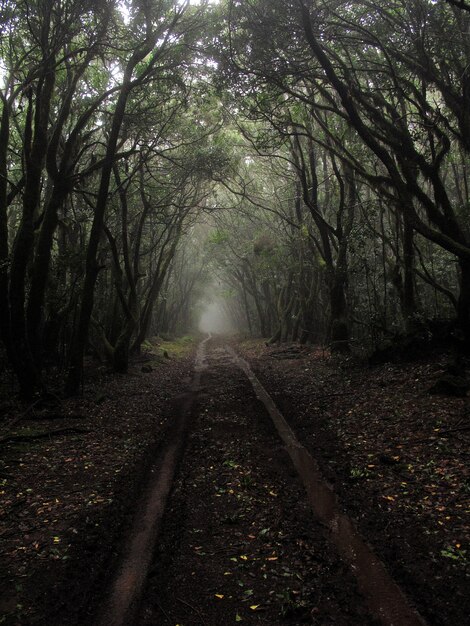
124, 596
239, 542
384, 597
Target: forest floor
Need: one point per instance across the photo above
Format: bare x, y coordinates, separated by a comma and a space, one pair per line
238, 541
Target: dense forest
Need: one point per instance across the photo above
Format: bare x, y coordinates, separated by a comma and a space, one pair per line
304, 164
234, 312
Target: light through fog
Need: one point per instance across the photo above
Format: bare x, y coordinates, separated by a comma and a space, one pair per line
124, 10
214, 320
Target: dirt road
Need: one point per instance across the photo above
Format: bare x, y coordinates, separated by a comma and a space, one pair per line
179, 494
242, 539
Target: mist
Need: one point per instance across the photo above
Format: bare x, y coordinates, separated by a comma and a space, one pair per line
215, 320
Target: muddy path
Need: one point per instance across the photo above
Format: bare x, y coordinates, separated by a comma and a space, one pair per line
241, 539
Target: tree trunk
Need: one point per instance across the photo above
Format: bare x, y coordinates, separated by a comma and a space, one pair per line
80, 336
81, 333
42, 258
463, 311
247, 309
35, 147
121, 349
5, 328
154, 291
339, 315
409, 300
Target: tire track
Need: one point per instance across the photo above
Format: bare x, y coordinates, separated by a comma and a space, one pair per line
126, 589
239, 541
385, 598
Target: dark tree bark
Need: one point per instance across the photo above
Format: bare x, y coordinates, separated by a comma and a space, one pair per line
409, 299
91, 272
35, 147
129, 82
4, 252
394, 146
61, 176
164, 261
463, 307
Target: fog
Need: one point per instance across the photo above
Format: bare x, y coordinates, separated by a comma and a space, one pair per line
215, 320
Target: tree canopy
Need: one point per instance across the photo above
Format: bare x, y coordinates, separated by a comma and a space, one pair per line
306, 163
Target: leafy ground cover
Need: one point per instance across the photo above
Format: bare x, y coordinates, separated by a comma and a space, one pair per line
240, 543
396, 455
69, 471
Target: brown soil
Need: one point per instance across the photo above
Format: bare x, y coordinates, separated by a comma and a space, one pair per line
239, 541
396, 456
66, 499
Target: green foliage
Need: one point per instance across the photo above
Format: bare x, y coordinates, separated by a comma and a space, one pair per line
296, 184
218, 237
455, 554
174, 347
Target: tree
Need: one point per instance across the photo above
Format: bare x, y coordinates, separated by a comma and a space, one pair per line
382, 73
45, 55
410, 128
